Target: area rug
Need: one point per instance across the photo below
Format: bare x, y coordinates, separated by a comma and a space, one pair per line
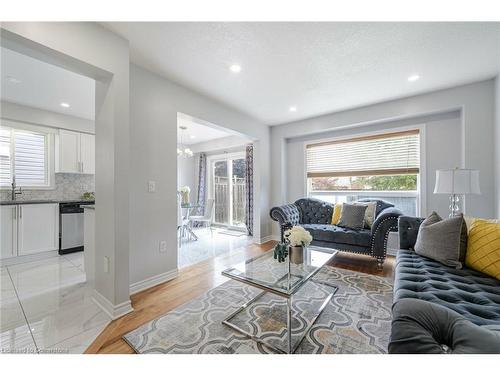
356, 320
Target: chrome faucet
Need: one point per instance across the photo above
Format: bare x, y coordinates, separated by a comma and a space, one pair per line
13, 191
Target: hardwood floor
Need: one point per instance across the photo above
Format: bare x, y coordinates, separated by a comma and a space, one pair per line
196, 280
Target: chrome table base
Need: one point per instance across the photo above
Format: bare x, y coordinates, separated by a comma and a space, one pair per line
291, 348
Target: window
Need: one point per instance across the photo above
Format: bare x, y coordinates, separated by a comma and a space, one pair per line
23, 155
385, 166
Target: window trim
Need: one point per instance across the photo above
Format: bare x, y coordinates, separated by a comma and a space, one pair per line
49, 153
421, 191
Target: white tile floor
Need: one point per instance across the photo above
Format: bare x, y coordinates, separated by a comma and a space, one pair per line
210, 244
46, 306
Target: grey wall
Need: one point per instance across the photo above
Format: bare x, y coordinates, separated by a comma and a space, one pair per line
36, 116
475, 103
89, 49
441, 133
154, 103
497, 145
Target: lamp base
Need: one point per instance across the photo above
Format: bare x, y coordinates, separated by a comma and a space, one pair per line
454, 208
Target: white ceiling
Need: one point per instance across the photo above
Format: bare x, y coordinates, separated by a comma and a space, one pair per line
318, 67
45, 86
197, 132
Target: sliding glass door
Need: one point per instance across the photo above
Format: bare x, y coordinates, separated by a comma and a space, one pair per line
228, 188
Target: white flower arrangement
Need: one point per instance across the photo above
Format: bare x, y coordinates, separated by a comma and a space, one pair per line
185, 189
298, 236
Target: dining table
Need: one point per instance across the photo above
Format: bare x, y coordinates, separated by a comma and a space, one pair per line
189, 207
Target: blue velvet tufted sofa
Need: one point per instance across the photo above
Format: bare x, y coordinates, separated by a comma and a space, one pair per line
424, 293
315, 216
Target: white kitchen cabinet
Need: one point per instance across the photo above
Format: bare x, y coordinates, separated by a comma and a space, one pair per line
87, 153
8, 233
75, 152
38, 228
69, 152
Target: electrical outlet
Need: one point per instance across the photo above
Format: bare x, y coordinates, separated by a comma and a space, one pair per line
151, 186
106, 265
163, 246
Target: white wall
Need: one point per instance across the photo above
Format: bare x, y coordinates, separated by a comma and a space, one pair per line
36, 116
154, 103
441, 133
497, 145
474, 101
91, 50
186, 173
221, 144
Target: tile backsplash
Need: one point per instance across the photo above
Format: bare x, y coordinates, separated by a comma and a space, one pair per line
68, 186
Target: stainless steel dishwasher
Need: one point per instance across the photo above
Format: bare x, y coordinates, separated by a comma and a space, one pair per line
70, 227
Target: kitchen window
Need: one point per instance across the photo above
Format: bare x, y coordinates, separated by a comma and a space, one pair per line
24, 154
384, 165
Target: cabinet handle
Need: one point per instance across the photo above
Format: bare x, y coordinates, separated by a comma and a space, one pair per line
14, 213
20, 212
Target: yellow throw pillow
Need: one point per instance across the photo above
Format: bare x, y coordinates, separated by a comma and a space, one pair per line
469, 220
483, 248
337, 211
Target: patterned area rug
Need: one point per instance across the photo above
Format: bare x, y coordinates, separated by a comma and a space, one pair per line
356, 320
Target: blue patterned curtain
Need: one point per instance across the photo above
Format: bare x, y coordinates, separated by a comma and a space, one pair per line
202, 183
249, 189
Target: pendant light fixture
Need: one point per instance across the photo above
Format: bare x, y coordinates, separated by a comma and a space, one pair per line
183, 150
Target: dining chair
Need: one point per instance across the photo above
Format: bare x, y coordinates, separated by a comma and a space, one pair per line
182, 222
206, 218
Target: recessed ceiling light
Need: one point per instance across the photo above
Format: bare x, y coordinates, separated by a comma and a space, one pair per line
12, 79
65, 105
292, 109
413, 78
192, 136
235, 68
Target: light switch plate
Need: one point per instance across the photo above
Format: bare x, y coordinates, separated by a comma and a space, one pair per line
151, 186
163, 246
106, 265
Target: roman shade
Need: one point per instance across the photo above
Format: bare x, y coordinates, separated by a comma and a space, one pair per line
384, 154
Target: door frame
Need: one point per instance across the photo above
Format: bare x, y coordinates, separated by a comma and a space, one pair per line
223, 157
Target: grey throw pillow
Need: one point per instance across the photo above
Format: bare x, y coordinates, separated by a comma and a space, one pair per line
443, 240
353, 216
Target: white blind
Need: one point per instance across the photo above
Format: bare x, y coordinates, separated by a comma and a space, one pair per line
23, 154
30, 158
386, 154
5, 156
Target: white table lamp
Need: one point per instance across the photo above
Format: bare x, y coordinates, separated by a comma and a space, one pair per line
456, 182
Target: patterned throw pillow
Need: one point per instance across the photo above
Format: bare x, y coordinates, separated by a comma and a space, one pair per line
483, 248
442, 240
352, 216
337, 210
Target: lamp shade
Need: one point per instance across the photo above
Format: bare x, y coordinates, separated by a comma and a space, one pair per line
457, 181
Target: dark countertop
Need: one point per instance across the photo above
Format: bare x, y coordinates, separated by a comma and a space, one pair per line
42, 201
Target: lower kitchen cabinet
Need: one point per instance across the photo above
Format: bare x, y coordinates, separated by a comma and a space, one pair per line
8, 233
29, 229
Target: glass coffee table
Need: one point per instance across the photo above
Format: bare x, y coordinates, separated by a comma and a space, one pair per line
287, 280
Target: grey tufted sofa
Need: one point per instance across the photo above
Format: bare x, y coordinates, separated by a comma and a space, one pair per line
469, 294
315, 216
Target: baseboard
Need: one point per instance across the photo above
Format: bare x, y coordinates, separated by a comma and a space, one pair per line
113, 311
265, 239
153, 281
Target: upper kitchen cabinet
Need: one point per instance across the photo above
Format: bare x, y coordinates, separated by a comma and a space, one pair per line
75, 152
87, 153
